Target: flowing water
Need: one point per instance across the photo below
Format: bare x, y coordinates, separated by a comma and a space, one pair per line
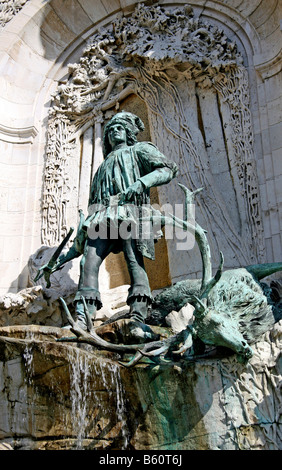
28, 357
26, 413
79, 371
97, 400
94, 412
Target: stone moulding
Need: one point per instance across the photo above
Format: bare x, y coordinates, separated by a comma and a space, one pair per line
269, 68
151, 53
21, 135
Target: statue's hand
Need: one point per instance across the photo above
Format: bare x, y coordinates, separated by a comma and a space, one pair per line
41, 271
46, 271
134, 190
49, 270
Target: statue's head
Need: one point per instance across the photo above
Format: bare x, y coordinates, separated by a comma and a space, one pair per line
132, 125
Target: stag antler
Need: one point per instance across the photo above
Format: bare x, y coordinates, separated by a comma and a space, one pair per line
189, 224
155, 349
90, 336
208, 281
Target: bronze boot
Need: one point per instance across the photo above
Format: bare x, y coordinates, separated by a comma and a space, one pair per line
85, 321
138, 308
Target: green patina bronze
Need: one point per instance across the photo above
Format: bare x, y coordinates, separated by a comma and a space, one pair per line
232, 309
119, 199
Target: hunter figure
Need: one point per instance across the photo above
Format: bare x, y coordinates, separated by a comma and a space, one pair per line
119, 195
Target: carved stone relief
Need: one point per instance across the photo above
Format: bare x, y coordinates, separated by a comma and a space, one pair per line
8, 9
195, 86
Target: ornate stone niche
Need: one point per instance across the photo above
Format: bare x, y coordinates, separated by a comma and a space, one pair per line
195, 93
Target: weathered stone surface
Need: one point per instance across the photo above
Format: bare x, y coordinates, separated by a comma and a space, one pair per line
26, 60
58, 396
30, 306
178, 321
39, 305
162, 406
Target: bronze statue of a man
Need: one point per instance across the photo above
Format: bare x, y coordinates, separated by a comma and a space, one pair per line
119, 194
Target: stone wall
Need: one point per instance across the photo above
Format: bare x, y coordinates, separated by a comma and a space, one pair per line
36, 45
57, 396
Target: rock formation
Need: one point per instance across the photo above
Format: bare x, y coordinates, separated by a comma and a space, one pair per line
59, 396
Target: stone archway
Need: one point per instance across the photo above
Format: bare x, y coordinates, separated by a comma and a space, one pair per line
195, 87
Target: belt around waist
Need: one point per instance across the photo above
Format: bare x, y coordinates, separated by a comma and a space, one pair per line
111, 200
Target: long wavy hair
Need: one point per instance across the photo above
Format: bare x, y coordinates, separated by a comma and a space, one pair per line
132, 125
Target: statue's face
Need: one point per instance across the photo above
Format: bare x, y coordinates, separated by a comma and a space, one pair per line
116, 135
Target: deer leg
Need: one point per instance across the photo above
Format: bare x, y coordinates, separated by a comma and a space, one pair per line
143, 352
188, 341
156, 352
157, 348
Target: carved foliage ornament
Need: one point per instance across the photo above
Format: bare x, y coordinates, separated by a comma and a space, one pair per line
151, 39
149, 54
8, 9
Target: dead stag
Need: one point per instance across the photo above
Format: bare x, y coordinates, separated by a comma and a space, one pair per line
231, 309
